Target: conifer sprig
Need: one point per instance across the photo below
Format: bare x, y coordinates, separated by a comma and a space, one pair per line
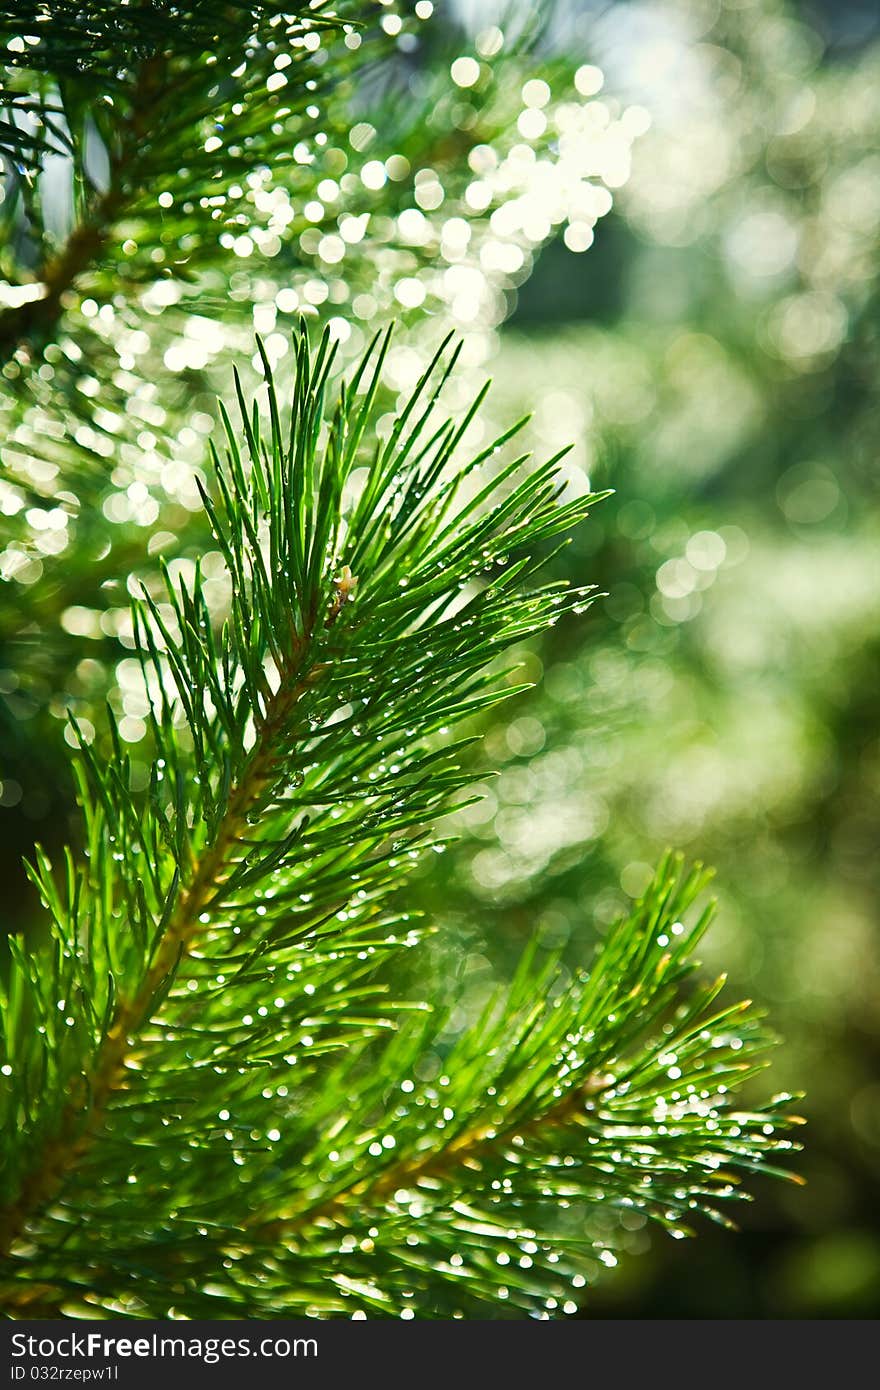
295, 772
198, 1114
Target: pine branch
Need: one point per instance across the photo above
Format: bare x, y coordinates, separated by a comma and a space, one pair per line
317, 682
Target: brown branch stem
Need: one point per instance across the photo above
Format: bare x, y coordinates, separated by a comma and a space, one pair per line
434, 1163
36, 320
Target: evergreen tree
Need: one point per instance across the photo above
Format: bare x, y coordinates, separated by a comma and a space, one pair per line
224, 1093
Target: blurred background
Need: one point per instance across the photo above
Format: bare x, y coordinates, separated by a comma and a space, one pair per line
674, 264
716, 356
